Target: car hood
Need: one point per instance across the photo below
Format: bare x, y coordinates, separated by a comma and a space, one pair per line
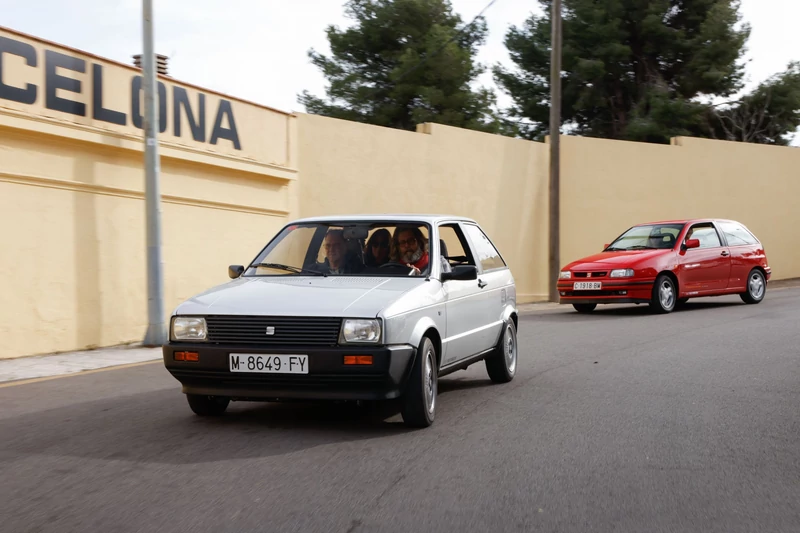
300, 296
615, 259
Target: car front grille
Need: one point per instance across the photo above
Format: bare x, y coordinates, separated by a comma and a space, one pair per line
590, 274
273, 331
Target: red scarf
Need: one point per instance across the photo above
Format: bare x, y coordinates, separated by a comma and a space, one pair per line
422, 262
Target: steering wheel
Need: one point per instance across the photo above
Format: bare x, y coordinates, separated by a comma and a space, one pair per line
393, 264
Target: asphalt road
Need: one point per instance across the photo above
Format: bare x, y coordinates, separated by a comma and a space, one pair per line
619, 421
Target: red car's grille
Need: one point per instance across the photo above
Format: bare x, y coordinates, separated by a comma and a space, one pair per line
589, 274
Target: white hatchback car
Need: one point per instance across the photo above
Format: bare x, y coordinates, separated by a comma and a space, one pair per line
350, 308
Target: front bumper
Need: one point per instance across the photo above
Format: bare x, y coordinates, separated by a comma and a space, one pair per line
611, 292
328, 377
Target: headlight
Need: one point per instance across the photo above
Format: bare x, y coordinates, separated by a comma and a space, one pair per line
622, 273
361, 330
565, 275
188, 328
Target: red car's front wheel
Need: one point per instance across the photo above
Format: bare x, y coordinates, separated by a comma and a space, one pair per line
665, 295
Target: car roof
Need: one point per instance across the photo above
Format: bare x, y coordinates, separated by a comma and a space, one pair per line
687, 221
385, 217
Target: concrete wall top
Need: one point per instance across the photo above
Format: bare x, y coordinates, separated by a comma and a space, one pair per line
52, 89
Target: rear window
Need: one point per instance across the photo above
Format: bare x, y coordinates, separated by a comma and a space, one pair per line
736, 234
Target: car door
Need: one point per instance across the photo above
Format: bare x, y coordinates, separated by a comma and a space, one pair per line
464, 301
746, 252
492, 278
707, 268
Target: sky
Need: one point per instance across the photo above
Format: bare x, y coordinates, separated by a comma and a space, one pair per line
258, 49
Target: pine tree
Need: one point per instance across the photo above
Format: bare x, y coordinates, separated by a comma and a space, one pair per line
402, 63
646, 70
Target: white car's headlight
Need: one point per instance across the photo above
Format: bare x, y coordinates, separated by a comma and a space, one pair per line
189, 328
622, 273
565, 275
361, 330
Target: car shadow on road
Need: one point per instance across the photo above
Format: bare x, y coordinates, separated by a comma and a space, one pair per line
448, 385
159, 427
631, 310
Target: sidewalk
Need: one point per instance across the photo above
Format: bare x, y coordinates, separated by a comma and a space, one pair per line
40, 366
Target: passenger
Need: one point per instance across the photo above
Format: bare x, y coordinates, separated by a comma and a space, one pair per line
378, 248
411, 248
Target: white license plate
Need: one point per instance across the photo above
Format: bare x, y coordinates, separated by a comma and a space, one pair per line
269, 364
587, 286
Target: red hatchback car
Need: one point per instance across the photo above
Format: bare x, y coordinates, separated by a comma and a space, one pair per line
664, 264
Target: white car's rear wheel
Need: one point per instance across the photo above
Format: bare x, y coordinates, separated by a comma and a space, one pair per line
501, 364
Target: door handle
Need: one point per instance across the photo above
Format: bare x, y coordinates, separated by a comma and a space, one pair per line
481, 283
725, 253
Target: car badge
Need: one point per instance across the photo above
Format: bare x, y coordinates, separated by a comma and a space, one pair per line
270, 330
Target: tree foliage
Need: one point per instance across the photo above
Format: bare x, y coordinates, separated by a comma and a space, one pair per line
404, 62
647, 70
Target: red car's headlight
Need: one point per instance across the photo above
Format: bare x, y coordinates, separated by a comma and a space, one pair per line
622, 273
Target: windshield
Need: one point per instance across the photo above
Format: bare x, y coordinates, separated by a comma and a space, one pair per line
346, 249
649, 237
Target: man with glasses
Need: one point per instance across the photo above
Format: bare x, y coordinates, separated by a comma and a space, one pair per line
335, 251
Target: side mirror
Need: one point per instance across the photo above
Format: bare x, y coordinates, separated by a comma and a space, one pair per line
461, 272
606, 245
691, 243
234, 271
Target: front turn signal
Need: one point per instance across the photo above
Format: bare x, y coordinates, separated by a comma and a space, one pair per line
358, 359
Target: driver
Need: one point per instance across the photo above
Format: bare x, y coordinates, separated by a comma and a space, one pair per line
334, 247
411, 248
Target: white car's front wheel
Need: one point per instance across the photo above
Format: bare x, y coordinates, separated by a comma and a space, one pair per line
207, 405
419, 402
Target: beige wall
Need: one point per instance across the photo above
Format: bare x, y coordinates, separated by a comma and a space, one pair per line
608, 186
500, 182
73, 273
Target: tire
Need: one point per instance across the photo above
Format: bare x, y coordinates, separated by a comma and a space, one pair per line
756, 287
665, 295
419, 402
584, 308
207, 405
501, 364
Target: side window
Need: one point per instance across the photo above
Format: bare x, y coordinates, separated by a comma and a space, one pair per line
455, 245
736, 234
706, 234
488, 255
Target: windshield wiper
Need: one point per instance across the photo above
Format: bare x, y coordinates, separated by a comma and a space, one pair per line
288, 268
614, 249
642, 247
